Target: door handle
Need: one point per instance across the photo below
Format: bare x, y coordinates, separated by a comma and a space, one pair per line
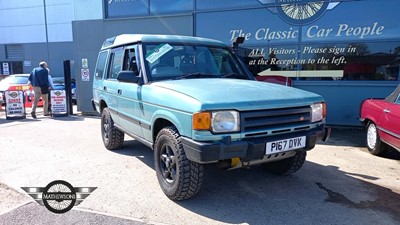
119, 91
386, 111
105, 88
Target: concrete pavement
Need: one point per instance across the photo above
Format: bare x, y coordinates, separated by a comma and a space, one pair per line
340, 183
17, 207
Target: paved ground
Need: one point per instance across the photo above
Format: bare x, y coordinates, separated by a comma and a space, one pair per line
18, 208
341, 183
30, 213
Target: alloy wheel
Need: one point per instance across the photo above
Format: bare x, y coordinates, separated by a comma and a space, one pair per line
371, 136
168, 163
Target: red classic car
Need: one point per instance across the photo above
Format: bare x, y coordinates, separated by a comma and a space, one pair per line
18, 82
382, 119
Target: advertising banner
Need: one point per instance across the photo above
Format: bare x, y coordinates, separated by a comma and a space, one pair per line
58, 102
14, 104
310, 40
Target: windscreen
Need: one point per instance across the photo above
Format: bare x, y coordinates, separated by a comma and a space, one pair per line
177, 61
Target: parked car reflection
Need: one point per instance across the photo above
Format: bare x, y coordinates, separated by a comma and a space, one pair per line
275, 79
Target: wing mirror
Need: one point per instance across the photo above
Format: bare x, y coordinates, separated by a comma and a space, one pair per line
128, 76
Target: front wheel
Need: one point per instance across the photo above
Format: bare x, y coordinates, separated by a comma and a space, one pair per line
112, 137
374, 143
287, 166
179, 178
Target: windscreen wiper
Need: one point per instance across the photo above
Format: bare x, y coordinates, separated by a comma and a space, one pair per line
194, 75
232, 75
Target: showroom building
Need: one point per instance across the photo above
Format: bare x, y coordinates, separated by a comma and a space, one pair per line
345, 50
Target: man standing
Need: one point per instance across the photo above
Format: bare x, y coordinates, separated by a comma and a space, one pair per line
39, 79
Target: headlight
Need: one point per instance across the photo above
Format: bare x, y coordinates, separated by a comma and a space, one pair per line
225, 121
318, 112
218, 122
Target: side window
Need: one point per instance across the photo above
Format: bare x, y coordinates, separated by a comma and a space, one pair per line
100, 65
398, 99
116, 63
130, 62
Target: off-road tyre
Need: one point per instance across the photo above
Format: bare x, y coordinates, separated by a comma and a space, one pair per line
374, 143
287, 166
112, 137
179, 178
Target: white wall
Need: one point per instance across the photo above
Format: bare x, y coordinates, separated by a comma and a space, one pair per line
88, 9
21, 21
24, 21
59, 17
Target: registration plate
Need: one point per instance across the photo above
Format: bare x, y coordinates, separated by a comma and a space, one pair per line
285, 145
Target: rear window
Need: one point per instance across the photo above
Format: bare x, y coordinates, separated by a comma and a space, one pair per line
16, 80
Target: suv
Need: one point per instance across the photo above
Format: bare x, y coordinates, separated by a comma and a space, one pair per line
194, 102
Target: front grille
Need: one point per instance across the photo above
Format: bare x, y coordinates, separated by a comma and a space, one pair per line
273, 121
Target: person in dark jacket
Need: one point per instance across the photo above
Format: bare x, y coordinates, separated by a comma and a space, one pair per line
39, 79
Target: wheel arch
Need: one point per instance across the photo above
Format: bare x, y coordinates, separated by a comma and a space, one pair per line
366, 121
164, 118
367, 118
158, 125
102, 105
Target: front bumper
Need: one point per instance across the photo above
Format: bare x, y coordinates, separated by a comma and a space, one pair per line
246, 149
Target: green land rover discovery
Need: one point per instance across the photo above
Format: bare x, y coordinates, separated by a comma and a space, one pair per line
194, 102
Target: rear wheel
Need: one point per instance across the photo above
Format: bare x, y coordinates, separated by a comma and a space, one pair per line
112, 137
287, 166
374, 143
179, 178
